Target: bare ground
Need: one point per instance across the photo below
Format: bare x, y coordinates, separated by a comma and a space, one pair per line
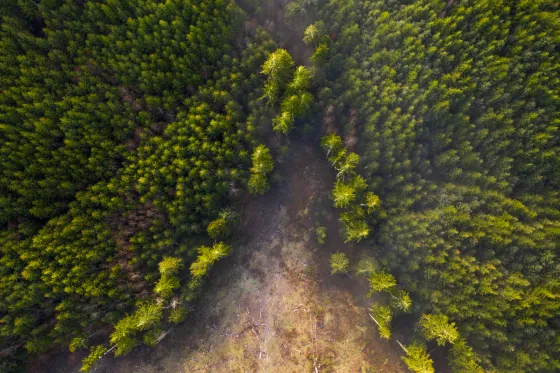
273, 306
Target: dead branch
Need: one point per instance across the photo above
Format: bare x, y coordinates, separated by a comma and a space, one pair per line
400, 344
373, 318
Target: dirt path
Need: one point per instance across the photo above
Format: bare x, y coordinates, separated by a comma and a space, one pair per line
273, 306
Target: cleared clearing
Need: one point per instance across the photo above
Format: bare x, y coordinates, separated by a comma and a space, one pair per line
273, 305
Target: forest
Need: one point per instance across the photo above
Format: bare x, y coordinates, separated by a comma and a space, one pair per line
135, 133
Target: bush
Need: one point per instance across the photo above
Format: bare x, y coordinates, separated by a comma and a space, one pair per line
321, 234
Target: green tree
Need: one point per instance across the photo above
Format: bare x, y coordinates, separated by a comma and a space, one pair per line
347, 166
332, 144
319, 57
96, 352
283, 123
382, 316
380, 281
417, 359
207, 256
278, 66
262, 160
170, 265
258, 184
222, 228
400, 300
372, 202
313, 33
462, 359
300, 81
355, 227
262, 165
339, 263
439, 328
343, 194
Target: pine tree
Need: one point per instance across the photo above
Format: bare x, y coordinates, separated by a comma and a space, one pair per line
417, 359
339, 263
439, 328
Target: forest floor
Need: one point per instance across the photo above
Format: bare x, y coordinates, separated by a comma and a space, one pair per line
273, 306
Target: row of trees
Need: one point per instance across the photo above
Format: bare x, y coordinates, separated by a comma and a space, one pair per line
392, 301
292, 86
349, 192
455, 108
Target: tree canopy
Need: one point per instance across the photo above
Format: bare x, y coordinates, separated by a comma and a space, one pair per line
453, 109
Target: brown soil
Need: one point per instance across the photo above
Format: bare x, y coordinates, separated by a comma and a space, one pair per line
273, 305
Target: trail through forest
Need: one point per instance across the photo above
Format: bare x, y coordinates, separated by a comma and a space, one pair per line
274, 306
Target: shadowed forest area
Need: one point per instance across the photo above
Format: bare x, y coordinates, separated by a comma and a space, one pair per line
279, 186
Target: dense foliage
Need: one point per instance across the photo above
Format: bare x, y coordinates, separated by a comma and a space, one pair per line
125, 128
129, 129
455, 110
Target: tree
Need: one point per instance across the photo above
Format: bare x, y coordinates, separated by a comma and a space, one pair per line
271, 91
222, 227
313, 33
258, 184
296, 104
283, 123
417, 359
439, 328
343, 194
207, 256
147, 315
278, 66
355, 228
262, 160
339, 263
367, 266
332, 143
170, 265
262, 165
95, 353
166, 286
400, 300
382, 316
319, 57
347, 166
380, 281
462, 359
300, 82
372, 201
295, 11
124, 335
